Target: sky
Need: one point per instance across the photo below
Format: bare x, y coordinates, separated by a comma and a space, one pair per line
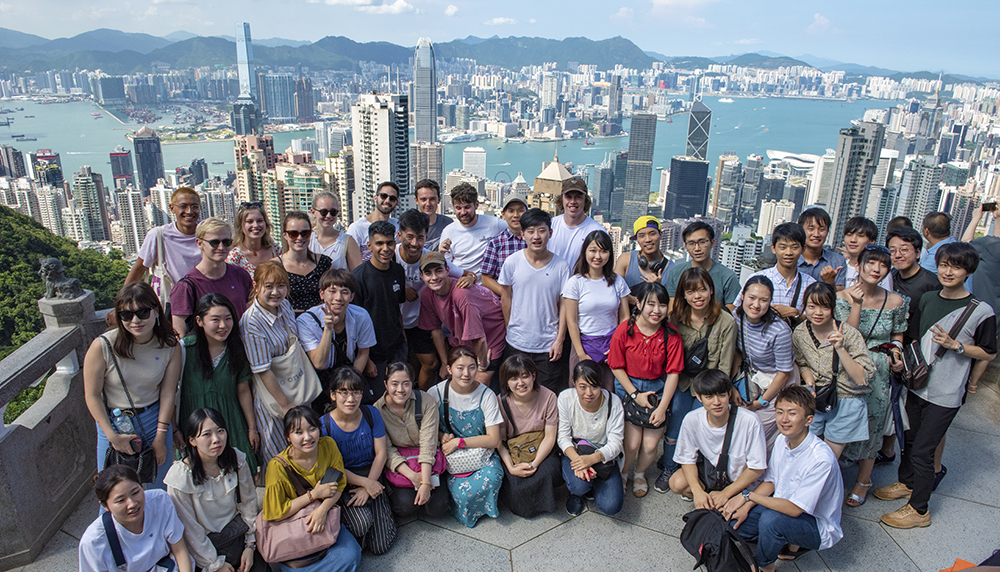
909, 35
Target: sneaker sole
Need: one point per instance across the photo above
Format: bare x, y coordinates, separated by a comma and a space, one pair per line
893, 497
659, 490
913, 526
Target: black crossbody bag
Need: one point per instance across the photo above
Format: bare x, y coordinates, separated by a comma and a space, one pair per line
143, 462
716, 478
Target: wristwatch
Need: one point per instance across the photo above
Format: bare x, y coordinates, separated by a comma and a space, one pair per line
633, 394
960, 349
763, 402
746, 495
250, 546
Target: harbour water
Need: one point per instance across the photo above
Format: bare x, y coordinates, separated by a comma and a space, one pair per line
748, 125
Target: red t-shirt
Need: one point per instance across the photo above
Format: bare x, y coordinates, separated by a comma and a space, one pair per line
469, 313
643, 357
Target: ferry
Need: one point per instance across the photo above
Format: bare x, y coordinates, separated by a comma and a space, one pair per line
17, 136
29, 117
95, 114
726, 100
218, 162
27, 139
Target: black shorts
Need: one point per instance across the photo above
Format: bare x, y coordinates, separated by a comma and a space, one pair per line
420, 341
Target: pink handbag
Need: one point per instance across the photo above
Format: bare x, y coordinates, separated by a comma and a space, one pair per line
411, 455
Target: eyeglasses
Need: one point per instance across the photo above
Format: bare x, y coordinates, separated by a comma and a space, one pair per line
387, 197
346, 393
142, 313
698, 243
877, 248
214, 243
293, 235
252, 205
330, 212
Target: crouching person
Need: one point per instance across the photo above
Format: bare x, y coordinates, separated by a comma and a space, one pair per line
796, 508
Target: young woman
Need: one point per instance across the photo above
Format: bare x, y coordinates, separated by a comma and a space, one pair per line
360, 433
646, 357
310, 455
134, 368
253, 242
881, 316
217, 375
213, 493
269, 334
303, 267
412, 437
470, 418
814, 342
531, 422
595, 301
145, 523
709, 337
591, 422
342, 249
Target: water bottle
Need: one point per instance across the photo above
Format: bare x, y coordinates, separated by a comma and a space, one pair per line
121, 422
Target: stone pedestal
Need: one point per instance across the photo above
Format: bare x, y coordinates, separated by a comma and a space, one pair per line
60, 313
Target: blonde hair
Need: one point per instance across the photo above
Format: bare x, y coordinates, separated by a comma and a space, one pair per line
211, 225
184, 191
266, 241
267, 271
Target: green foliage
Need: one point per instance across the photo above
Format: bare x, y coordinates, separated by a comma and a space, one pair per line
22, 402
22, 242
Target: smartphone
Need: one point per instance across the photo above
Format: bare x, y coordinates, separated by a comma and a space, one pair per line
136, 444
435, 480
988, 207
653, 400
332, 476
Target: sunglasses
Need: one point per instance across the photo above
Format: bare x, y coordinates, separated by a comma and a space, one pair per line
294, 235
142, 313
214, 243
252, 205
878, 248
330, 212
387, 197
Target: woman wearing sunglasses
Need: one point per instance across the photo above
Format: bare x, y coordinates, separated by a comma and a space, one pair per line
214, 238
303, 266
130, 379
253, 242
342, 249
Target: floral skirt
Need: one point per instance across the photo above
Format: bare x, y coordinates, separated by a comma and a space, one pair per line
476, 495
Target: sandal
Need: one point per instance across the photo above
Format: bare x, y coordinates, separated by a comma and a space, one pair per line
855, 500
786, 555
640, 487
973, 388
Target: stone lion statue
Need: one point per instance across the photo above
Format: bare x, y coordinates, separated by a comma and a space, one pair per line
57, 285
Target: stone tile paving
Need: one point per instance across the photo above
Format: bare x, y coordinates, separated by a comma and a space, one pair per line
644, 535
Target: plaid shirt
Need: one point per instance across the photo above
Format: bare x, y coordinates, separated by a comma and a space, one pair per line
498, 249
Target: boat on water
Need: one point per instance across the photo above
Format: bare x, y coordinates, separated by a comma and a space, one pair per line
218, 162
27, 139
29, 117
498, 147
726, 100
17, 136
668, 120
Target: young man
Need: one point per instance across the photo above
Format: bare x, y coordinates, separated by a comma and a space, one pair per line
703, 434
180, 251
508, 242
699, 240
936, 230
472, 315
381, 288
637, 266
533, 279
983, 284
464, 241
931, 410
214, 238
787, 241
818, 261
859, 232
571, 227
798, 503
386, 198
428, 197
412, 236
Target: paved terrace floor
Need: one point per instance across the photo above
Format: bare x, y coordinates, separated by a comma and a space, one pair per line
644, 535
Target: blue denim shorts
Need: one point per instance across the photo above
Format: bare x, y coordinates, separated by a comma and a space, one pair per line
846, 423
642, 385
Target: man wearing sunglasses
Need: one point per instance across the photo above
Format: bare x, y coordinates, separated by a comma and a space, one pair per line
213, 274
386, 199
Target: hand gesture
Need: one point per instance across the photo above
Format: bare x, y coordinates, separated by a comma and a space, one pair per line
445, 246
652, 278
329, 318
941, 337
829, 274
443, 371
836, 338
856, 293
734, 396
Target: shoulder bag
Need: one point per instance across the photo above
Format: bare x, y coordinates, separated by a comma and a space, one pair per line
288, 541
522, 447
716, 477
296, 376
916, 372
115, 544
466, 461
696, 356
158, 270
144, 461
744, 382
826, 396
585, 448
412, 454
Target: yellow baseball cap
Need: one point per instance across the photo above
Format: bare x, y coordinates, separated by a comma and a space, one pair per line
643, 222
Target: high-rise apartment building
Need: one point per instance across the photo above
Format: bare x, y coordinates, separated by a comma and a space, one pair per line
619, 165
821, 181
774, 213
380, 127
614, 99
856, 158
279, 97
88, 192
304, 100
51, 202
254, 155
474, 161
199, 171
641, 141
148, 158
290, 187
424, 93
133, 219
244, 62
427, 162
919, 188
121, 168
687, 192
11, 162
699, 127
341, 165
550, 89
246, 117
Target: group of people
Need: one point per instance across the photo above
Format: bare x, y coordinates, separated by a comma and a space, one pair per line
423, 365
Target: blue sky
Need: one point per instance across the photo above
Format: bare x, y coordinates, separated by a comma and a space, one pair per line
910, 36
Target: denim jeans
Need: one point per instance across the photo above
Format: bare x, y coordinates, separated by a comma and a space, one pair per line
608, 494
148, 420
771, 530
682, 403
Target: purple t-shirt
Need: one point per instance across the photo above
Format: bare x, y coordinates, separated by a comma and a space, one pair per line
236, 285
179, 250
469, 314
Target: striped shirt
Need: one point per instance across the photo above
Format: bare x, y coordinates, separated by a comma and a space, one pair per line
769, 349
783, 292
497, 250
266, 335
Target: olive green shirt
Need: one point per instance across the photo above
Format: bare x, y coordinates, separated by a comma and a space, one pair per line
721, 345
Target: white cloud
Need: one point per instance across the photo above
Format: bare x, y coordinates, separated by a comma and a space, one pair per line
532, 21
748, 41
667, 4
498, 21
6, 7
349, 2
695, 22
397, 7
450, 10
821, 25
624, 13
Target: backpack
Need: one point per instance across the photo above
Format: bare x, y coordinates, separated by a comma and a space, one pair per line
715, 543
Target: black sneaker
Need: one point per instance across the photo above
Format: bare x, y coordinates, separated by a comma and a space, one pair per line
882, 459
574, 505
939, 476
589, 495
662, 483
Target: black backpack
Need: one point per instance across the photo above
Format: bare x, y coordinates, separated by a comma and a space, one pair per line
715, 543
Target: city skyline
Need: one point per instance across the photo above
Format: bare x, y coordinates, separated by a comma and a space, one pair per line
708, 28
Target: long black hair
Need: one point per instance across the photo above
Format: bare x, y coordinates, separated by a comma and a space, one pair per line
642, 292
237, 354
227, 459
604, 243
771, 315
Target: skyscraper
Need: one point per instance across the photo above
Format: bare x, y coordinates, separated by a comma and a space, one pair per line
474, 161
304, 99
550, 89
246, 117
244, 63
699, 127
279, 97
381, 147
11, 162
615, 100
148, 158
133, 218
88, 191
687, 192
427, 161
641, 141
857, 156
424, 92
121, 168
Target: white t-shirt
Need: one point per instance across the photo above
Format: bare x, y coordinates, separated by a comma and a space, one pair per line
357, 322
599, 302
359, 230
567, 242
180, 251
160, 527
747, 450
469, 243
534, 307
809, 477
482, 398
411, 309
